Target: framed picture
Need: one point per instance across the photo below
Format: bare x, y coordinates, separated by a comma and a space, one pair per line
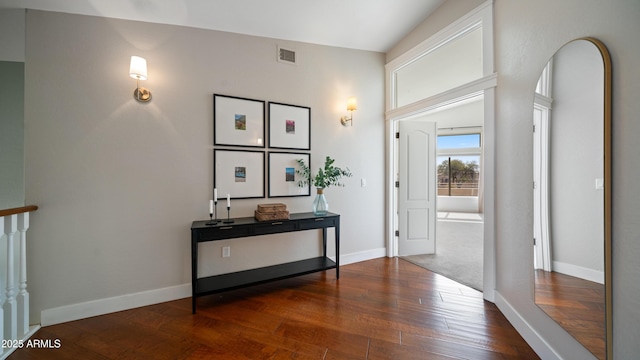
283, 179
239, 173
238, 121
289, 126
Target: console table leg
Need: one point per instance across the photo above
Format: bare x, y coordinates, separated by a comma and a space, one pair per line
324, 242
194, 270
337, 230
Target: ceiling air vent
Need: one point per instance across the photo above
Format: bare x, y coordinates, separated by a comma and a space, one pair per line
286, 56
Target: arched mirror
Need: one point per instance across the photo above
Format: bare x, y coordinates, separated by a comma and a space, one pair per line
572, 193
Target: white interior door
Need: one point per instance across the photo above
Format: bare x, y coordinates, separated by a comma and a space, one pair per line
417, 211
541, 234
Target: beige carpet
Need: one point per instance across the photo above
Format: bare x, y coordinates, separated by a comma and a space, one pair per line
459, 247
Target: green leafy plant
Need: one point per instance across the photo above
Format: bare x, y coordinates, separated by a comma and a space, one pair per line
328, 176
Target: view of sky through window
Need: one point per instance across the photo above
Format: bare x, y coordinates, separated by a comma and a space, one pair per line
464, 141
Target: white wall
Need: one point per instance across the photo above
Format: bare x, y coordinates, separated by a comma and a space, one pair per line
465, 204
577, 158
453, 64
119, 182
527, 34
12, 27
11, 134
446, 13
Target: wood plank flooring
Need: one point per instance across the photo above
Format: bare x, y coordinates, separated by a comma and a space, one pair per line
577, 305
384, 308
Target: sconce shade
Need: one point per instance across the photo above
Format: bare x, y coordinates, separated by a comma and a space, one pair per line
138, 68
352, 104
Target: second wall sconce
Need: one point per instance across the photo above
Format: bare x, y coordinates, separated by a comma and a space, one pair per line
351, 106
138, 71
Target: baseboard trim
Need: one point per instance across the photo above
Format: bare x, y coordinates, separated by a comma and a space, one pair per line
130, 301
579, 272
528, 333
113, 304
9, 350
356, 257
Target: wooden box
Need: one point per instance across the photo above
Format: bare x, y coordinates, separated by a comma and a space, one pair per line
272, 208
269, 216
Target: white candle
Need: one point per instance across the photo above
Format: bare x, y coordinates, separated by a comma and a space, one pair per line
210, 206
215, 194
228, 201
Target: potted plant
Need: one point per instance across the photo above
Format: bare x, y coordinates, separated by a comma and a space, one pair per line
327, 176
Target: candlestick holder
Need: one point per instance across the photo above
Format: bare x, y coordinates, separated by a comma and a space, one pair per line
211, 220
229, 220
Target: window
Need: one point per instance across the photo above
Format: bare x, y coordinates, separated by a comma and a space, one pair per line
459, 164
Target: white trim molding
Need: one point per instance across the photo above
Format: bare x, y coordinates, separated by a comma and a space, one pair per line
457, 94
113, 304
579, 272
528, 333
356, 257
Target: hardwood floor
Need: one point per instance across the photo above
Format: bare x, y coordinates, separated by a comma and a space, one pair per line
379, 309
577, 305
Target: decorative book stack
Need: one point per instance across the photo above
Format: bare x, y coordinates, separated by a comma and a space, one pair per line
266, 212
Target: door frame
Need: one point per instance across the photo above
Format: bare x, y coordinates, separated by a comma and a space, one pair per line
542, 104
541, 233
486, 85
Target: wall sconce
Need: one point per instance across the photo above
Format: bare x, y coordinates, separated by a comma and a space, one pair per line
138, 71
351, 106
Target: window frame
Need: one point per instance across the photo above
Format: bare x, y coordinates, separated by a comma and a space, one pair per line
470, 151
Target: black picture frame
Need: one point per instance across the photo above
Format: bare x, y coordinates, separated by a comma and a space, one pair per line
238, 121
240, 173
282, 175
289, 126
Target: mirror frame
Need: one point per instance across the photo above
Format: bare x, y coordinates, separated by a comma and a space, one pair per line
606, 146
608, 255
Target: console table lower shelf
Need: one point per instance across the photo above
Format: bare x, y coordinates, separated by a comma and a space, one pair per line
247, 227
240, 279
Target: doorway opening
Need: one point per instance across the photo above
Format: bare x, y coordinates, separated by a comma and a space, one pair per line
458, 247
447, 70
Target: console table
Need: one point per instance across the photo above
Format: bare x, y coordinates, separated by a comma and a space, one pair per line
249, 226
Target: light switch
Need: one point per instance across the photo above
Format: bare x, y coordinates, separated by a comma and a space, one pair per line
599, 184
363, 182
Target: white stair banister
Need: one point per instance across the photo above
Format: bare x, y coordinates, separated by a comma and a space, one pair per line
10, 306
14, 297
2, 312
23, 294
